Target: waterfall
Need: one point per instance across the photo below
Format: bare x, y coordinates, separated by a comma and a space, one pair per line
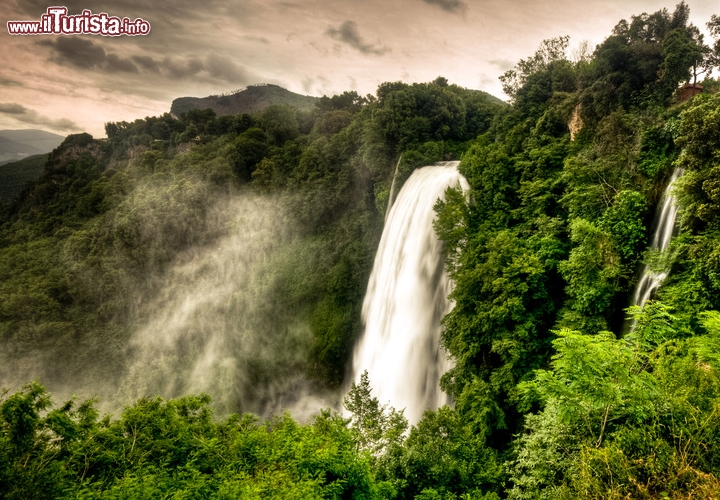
406, 299
664, 229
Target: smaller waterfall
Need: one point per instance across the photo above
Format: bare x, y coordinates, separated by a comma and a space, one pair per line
664, 230
406, 299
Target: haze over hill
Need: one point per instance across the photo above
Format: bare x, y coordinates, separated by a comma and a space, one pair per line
18, 144
253, 98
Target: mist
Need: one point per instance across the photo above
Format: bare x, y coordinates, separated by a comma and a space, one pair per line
215, 327
214, 319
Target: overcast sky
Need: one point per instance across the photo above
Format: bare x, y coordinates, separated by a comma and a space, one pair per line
74, 83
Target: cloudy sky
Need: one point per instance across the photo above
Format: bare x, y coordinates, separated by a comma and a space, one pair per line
74, 83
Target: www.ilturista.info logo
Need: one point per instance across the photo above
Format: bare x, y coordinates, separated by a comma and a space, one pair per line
56, 21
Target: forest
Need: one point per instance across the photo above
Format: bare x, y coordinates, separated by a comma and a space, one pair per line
167, 291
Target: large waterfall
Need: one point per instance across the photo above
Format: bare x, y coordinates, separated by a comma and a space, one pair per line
406, 299
664, 229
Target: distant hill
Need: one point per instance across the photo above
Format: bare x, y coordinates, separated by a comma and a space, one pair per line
18, 144
491, 98
15, 175
253, 98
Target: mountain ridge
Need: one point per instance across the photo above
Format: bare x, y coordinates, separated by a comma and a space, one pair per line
249, 100
18, 144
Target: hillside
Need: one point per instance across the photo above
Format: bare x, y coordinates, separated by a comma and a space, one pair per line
18, 144
15, 175
250, 100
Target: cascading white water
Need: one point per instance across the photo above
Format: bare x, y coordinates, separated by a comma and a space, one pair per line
406, 299
664, 230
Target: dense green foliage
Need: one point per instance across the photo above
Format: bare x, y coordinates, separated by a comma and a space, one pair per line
633, 417
91, 251
14, 176
549, 244
174, 448
555, 394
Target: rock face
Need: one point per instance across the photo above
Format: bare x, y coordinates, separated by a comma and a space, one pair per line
253, 98
575, 124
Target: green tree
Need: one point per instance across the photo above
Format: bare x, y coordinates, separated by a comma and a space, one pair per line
551, 50
619, 417
592, 273
379, 429
279, 122
682, 56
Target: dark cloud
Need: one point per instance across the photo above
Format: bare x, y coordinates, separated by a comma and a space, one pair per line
348, 33
116, 63
183, 68
87, 55
26, 115
7, 82
80, 52
448, 5
147, 63
223, 68
215, 66
12, 108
